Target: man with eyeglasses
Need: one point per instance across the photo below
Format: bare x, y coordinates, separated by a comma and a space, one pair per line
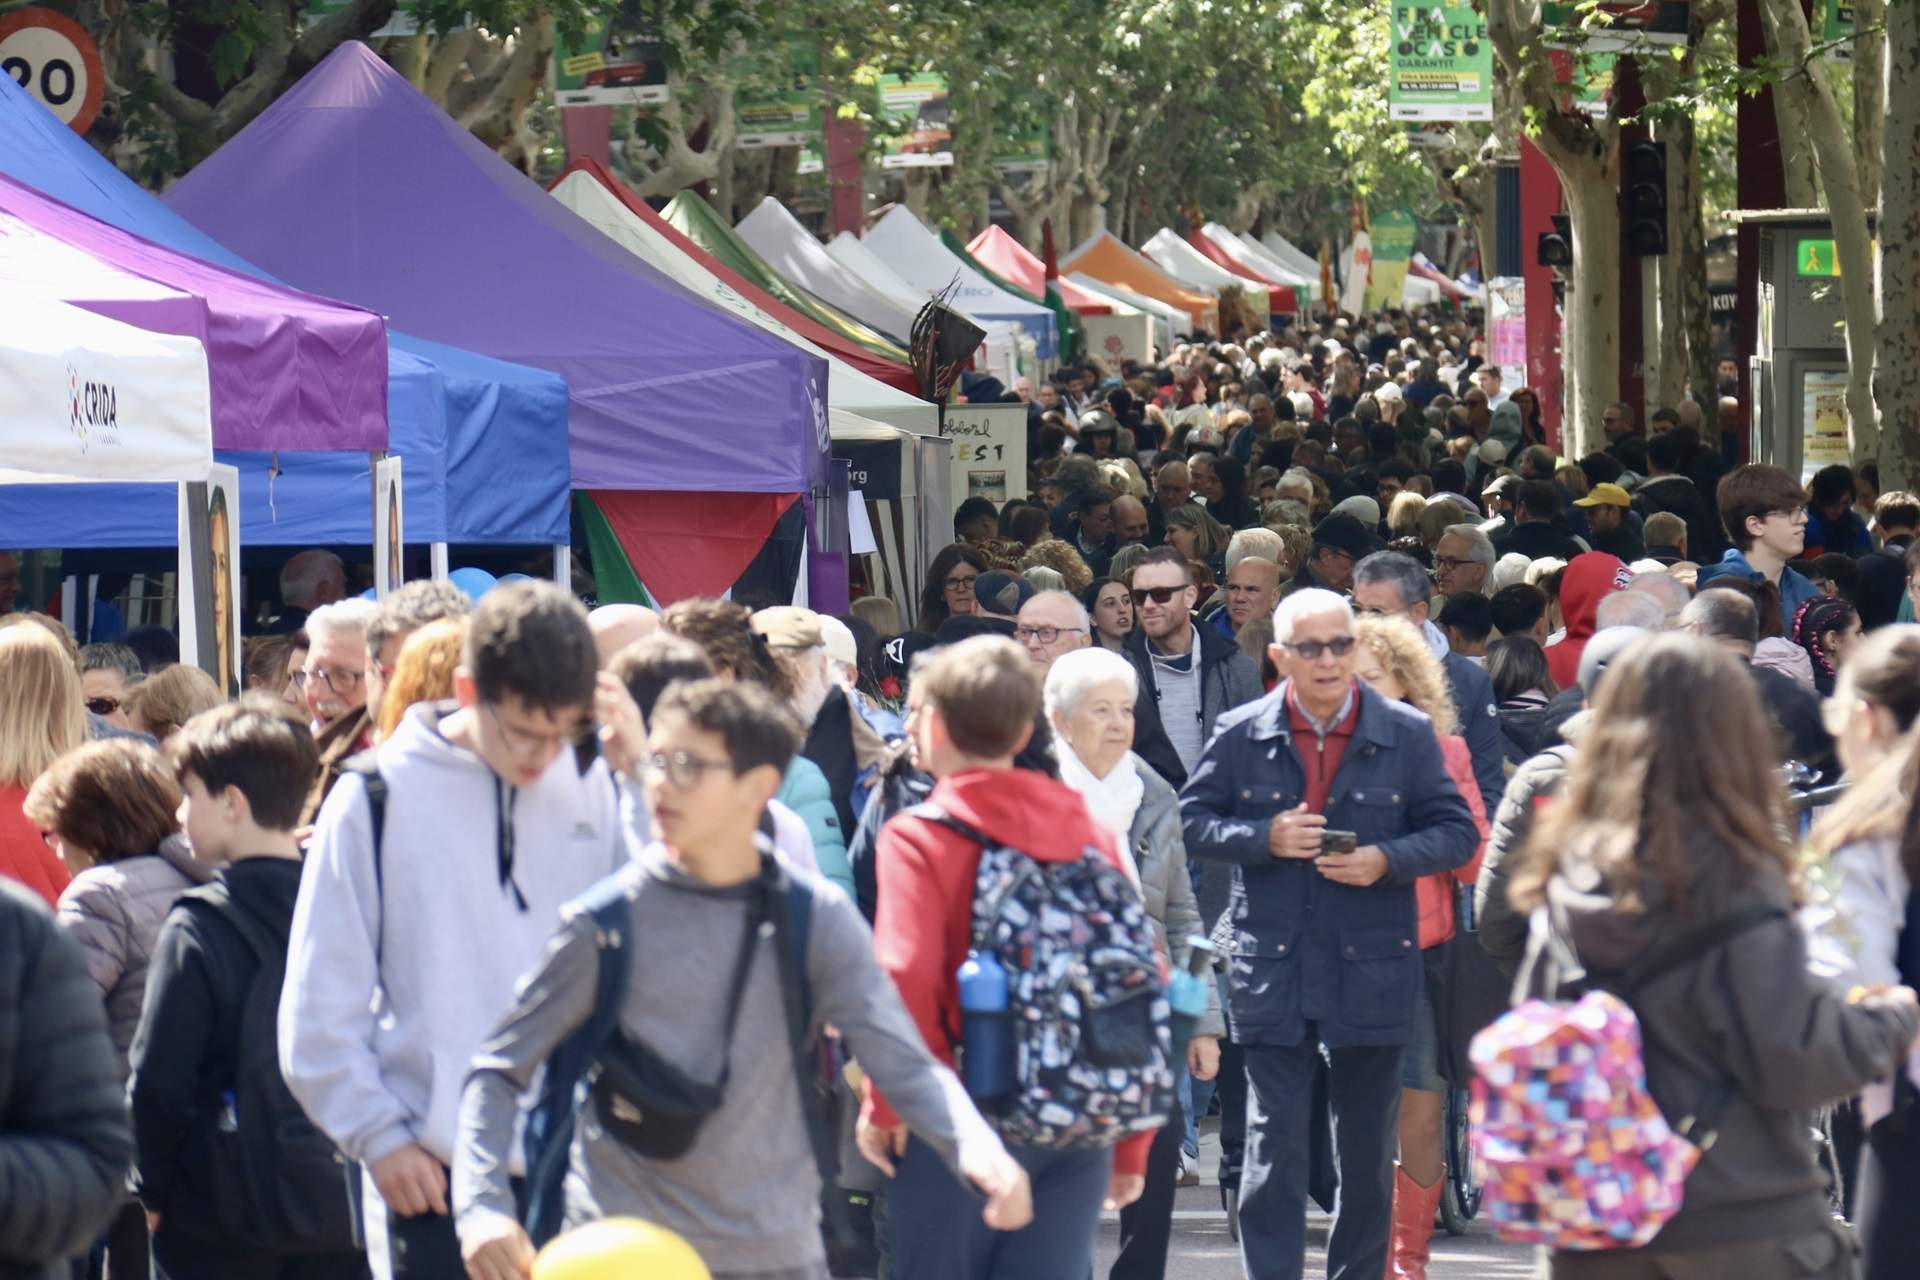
1189, 675
1764, 510
432, 884
334, 677
1329, 802
1050, 624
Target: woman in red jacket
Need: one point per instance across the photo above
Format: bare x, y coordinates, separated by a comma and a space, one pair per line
42, 717
1395, 660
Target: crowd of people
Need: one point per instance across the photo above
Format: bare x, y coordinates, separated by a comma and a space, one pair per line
909, 942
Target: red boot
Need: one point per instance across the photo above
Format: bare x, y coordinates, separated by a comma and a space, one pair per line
1413, 1209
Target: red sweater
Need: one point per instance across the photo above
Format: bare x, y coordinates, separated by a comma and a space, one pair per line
24, 855
924, 924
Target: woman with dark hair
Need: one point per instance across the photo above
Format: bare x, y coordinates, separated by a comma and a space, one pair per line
948, 591
1832, 523
1522, 686
1198, 536
1111, 608
1234, 509
1029, 525
1862, 924
1673, 821
1827, 627
1532, 429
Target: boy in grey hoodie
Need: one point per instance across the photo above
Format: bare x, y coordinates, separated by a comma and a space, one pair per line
745, 1195
405, 949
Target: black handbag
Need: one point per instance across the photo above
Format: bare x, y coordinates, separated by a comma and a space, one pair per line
650, 1105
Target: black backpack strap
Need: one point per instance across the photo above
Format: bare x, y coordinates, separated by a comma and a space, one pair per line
791, 902
374, 783
217, 897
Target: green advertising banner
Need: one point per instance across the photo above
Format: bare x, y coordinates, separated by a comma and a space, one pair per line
1393, 231
616, 61
915, 109
788, 112
1586, 78
1837, 31
1442, 63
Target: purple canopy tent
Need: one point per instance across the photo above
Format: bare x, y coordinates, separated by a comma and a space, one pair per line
354, 183
288, 371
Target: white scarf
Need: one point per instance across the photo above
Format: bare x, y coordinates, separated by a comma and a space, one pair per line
1113, 800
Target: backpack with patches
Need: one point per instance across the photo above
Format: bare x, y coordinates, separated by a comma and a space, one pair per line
1091, 1026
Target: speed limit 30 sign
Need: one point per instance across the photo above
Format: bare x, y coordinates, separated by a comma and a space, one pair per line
53, 58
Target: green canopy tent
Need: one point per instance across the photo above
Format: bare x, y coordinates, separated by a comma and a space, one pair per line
695, 219
1066, 321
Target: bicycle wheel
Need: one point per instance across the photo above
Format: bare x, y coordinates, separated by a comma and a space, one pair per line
1460, 1198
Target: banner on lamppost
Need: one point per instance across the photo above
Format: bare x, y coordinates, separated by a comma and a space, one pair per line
916, 110
1585, 77
788, 112
1837, 30
1394, 231
1442, 63
617, 60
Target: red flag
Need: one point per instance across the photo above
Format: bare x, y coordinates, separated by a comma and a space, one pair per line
1046, 250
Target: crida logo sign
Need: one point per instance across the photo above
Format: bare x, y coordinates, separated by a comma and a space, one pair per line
91, 407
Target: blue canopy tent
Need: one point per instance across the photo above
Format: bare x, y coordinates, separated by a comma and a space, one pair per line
484, 440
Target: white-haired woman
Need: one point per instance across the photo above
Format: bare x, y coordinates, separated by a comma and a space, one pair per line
1089, 700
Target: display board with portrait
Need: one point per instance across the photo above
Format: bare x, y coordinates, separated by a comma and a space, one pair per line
389, 528
209, 578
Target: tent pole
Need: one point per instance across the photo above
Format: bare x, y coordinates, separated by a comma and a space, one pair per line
563, 565
438, 553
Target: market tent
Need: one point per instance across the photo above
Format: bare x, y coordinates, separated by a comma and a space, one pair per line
82, 395
789, 248
1006, 339
1281, 297
458, 419
354, 181
1067, 329
1256, 255
1007, 258
287, 370
1187, 264
602, 200
1104, 257
916, 254
894, 471
695, 219
1167, 319
1305, 263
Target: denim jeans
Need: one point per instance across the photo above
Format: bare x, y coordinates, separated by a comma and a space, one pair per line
936, 1232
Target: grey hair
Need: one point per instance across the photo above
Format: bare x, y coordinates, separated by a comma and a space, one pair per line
303, 575
1410, 581
1310, 603
1045, 579
1668, 590
111, 657
412, 607
1081, 618
1259, 544
1073, 675
355, 616
1479, 545
1630, 609
1292, 481
1722, 613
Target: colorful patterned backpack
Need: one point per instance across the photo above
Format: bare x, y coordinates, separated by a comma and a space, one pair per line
1092, 1038
1575, 1154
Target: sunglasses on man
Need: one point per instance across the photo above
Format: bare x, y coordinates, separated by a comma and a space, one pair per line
1339, 646
1159, 595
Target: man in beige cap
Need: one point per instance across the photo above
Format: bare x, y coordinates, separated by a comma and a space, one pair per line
1609, 523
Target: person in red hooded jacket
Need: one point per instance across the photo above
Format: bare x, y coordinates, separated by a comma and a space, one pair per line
1588, 578
970, 712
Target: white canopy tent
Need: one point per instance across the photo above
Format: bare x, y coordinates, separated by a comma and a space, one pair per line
847, 387
789, 248
917, 255
1251, 254
1191, 267
84, 397
1287, 255
1007, 344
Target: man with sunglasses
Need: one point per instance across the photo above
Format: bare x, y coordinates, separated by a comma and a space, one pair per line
1189, 675
1329, 802
433, 882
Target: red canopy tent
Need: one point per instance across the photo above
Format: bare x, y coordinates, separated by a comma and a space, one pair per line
1277, 293
891, 372
1007, 258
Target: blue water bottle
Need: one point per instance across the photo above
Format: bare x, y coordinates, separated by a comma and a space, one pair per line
986, 1042
1187, 993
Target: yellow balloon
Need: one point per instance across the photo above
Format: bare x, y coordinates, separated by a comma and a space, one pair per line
619, 1249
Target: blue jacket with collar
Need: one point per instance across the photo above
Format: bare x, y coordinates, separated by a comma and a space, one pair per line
1795, 588
1310, 956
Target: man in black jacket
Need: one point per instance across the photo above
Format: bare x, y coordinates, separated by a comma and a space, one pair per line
1667, 489
64, 1142
1535, 533
1728, 616
1883, 575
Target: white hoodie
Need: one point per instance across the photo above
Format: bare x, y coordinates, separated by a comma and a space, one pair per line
377, 1052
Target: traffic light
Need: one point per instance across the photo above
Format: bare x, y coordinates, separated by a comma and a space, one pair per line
1643, 191
1556, 246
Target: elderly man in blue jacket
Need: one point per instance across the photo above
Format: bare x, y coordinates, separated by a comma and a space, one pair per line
1330, 801
1391, 584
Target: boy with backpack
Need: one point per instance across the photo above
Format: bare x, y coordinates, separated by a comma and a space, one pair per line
436, 874
236, 1181
1006, 865
697, 982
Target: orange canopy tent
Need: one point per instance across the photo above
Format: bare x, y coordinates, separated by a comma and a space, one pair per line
1007, 258
1104, 257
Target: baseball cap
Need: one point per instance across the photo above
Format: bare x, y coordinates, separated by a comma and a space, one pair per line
1342, 532
837, 637
788, 626
1501, 484
1605, 495
1002, 593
